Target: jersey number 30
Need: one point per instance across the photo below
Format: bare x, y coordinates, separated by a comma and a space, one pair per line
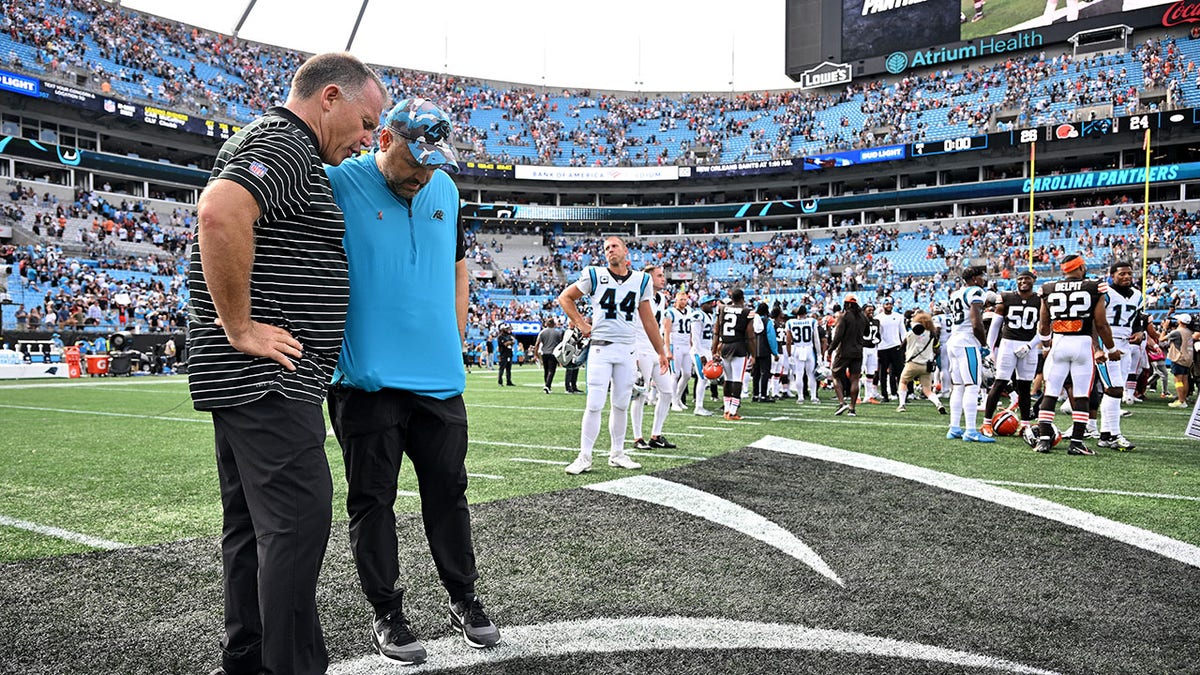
610, 306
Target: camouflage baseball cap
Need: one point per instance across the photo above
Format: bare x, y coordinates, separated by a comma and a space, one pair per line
427, 129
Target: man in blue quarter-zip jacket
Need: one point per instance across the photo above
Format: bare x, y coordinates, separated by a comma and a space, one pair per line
408, 294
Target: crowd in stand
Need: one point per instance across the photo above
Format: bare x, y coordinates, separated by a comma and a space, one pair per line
245, 78
75, 294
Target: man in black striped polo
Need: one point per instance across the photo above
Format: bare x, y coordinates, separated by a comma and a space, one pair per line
269, 291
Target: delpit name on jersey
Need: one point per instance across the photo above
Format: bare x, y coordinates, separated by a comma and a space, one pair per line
880, 6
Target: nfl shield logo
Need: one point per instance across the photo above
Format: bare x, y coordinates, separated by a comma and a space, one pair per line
258, 169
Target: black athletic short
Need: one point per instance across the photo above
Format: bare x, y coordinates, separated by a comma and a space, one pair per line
848, 364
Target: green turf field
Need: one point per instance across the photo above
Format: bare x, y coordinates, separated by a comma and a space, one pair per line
128, 460
1000, 16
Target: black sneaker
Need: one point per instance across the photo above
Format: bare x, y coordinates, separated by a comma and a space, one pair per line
1042, 446
851, 413
1078, 448
661, 442
395, 641
477, 629
641, 444
842, 409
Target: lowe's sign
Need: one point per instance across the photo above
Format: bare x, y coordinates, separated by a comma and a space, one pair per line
826, 75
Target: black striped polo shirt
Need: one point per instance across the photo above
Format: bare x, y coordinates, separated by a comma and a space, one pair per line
299, 278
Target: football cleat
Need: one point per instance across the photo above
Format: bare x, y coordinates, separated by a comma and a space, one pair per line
1119, 443
901, 408
623, 462
977, 437
1042, 446
581, 464
733, 417
702, 412
986, 430
1078, 448
841, 409
641, 444
661, 442
677, 407
942, 410
954, 434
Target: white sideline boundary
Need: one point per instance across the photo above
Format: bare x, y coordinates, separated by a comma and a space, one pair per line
59, 533
1089, 522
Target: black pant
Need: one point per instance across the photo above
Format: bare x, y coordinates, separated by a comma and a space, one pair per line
572, 379
276, 496
505, 373
376, 430
760, 376
549, 368
891, 362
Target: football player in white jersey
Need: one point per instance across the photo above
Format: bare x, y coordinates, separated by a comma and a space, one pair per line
680, 336
1122, 303
803, 348
965, 345
702, 335
620, 304
647, 368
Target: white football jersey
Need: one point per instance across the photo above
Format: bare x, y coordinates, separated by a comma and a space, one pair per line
961, 331
1122, 311
804, 335
659, 303
702, 331
615, 303
681, 328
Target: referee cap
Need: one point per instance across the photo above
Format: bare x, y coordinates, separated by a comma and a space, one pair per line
427, 129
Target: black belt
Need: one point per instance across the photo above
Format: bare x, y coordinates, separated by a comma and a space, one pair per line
602, 343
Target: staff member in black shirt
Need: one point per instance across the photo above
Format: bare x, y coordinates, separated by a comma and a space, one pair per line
269, 291
847, 350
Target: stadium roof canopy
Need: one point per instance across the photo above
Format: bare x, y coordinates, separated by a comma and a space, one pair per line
628, 45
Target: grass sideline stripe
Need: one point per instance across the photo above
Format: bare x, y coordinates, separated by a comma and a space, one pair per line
1123, 493
1043, 508
59, 533
103, 382
636, 634
718, 510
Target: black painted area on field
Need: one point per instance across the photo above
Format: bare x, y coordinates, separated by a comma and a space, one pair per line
919, 564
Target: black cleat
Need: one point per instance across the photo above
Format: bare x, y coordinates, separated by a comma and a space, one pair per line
641, 444
1043, 446
395, 641
477, 629
661, 442
1078, 448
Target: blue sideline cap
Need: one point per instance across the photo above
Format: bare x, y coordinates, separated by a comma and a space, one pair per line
427, 129
707, 299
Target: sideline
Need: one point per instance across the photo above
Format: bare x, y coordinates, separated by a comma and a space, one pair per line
1043, 508
59, 533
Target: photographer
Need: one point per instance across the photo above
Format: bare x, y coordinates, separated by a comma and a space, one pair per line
920, 356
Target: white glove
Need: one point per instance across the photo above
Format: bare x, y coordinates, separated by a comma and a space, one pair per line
1021, 351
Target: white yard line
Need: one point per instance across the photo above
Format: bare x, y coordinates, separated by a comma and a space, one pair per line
57, 532
539, 461
1042, 508
102, 413
485, 475
102, 382
608, 635
575, 449
1123, 493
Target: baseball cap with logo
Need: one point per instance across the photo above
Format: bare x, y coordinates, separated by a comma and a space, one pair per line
427, 129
